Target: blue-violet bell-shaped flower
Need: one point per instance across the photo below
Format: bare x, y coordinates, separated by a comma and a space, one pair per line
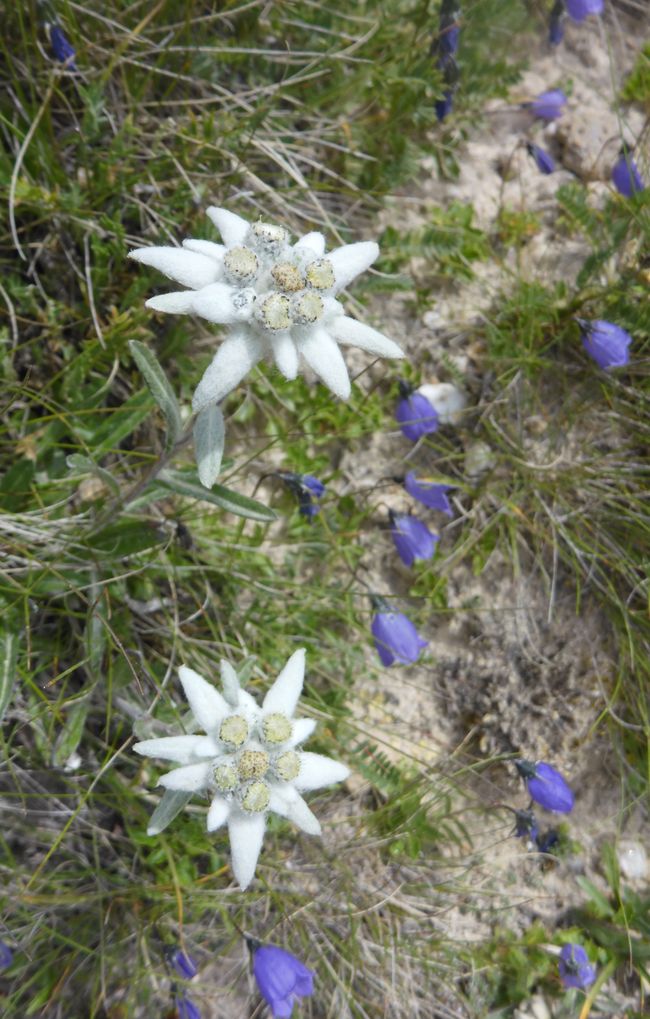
62, 48
432, 494
185, 1007
396, 638
625, 176
6, 956
526, 826
306, 488
556, 24
412, 538
605, 342
575, 968
446, 42
543, 160
578, 10
548, 105
414, 414
182, 963
546, 786
281, 978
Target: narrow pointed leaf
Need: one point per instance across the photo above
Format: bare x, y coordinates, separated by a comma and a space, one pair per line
8, 660
160, 388
171, 804
70, 735
209, 440
233, 502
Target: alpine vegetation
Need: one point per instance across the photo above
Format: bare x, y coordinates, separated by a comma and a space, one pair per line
548, 105
430, 493
249, 762
281, 977
396, 638
626, 176
575, 968
543, 160
414, 413
412, 538
605, 342
546, 786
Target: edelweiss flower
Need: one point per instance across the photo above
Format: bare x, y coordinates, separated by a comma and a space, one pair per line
279, 299
248, 762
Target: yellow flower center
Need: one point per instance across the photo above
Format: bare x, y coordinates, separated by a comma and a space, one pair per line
234, 730
253, 764
287, 276
276, 728
226, 777
320, 274
256, 798
288, 766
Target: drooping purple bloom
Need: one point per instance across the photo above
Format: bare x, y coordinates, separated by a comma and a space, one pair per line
446, 42
413, 539
546, 786
543, 160
605, 342
182, 963
575, 968
450, 77
62, 49
414, 414
281, 978
185, 1007
625, 176
525, 825
396, 638
556, 24
306, 488
547, 840
444, 106
548, 105
6, 956
581, 9
428, 492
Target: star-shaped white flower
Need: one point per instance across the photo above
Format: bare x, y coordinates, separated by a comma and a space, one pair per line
278, 298
248, 762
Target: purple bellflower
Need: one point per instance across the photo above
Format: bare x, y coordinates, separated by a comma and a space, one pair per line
306, 488
414, 414
396, 638
625, 175
605, 342
446, 41
546, 786
182, 963
62, 49
575, 968
444, 106
525, 825
450, 77
544, 162
281, 978
6, 956
556, 24
413, 539
428, 492
548, 105
185, 1007
578, 10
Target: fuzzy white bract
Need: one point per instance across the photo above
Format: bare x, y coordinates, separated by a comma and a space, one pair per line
249, 761
279, 300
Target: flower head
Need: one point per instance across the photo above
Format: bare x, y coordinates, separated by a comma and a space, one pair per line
6, 956
605, 342
414, 413
446, 42
428, 492
185, 1007
556, 23
182, 963
546, 786
578, 10
413, 539
575, 968
249, 761
548, 105
443, 107
625, 175
62, 49
543, 160
281, 978
306, 488
279, 300
525, 825
396, 638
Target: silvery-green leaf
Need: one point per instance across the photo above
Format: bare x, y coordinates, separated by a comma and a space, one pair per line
160, 388
209, 439
69, 736
8, 660
78, 462
241, 505
171, 804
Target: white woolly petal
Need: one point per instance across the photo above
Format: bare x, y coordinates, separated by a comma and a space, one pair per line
232, 227
208, 706
324, 357
352, 259
246, 837
314, 241
317, 771
181, 749
288, 803
248, 706
356, 334
179, 302
186, 267
217, 814
301, 730
229, 683
447, 400
283, 695
208, 248
215, 303
190, 779
234, 359
285, 354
